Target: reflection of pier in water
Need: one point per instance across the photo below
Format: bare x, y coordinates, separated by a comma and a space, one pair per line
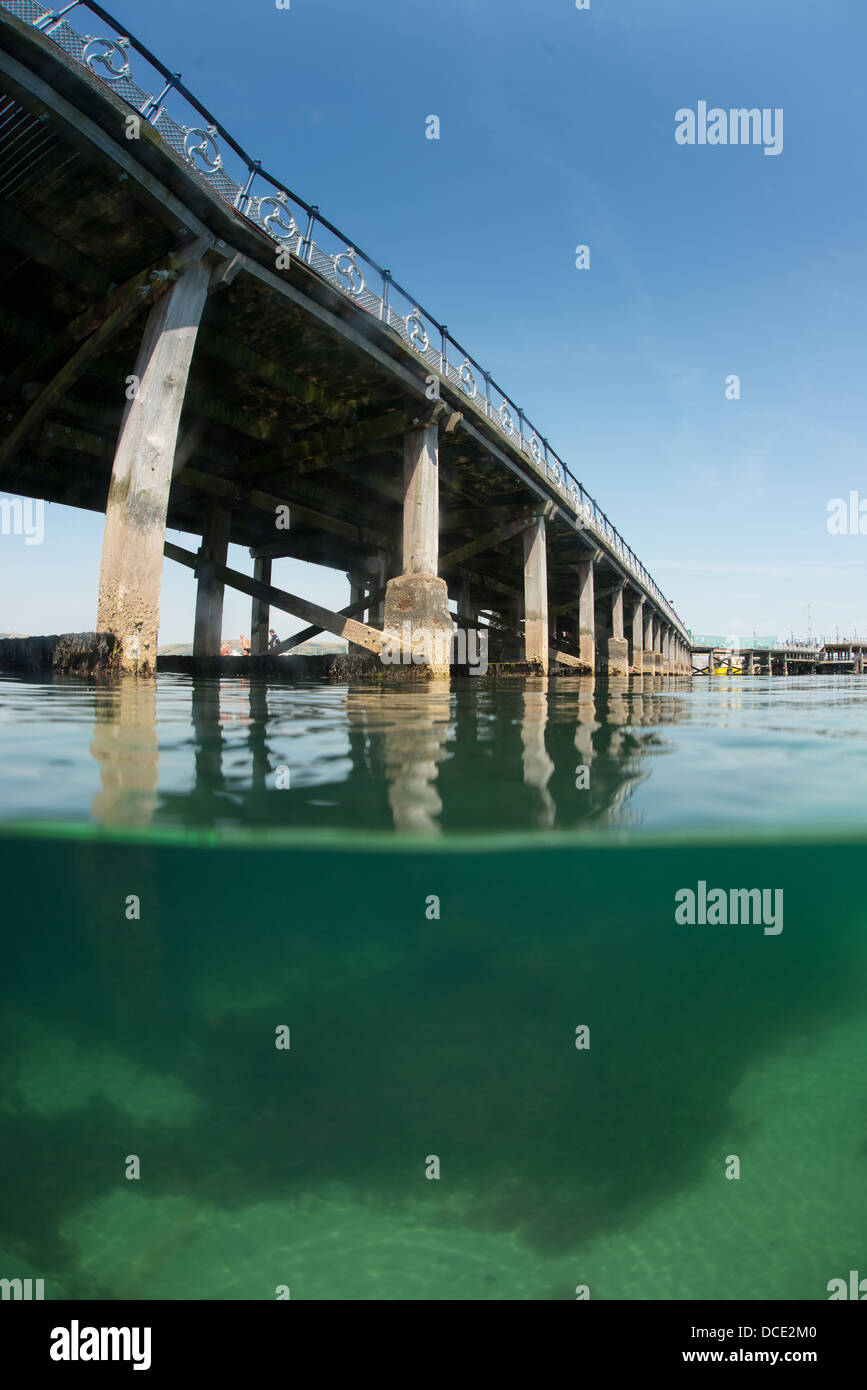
419, 759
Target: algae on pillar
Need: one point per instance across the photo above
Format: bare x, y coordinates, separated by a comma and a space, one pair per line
135, 518
618, 648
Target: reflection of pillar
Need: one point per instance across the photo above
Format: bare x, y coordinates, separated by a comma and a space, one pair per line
418, 596
586, 614
536, 594
261, 615
257, 734
415, 739
537, 764
209, 593
208, 747
126, 747
126, 954
135, 517
587, 723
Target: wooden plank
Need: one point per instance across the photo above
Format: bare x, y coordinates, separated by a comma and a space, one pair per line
327, 620
307, 633
566, 658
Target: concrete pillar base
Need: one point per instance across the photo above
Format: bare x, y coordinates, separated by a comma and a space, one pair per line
617, 663
419, 626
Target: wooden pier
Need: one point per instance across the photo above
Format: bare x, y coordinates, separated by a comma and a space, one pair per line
836, 658
188, 346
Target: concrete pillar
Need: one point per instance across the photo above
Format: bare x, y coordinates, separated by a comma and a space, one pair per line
260, 618
463, 598
586, 614
536, 594
421, 500
378, 580
417, 601
357, 591
135, 517
618, 648
617, 613
637, 629
648, 660
207, 633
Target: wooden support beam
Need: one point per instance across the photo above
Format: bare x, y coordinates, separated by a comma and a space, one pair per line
327, 620
224, 273
566, 658
208, 630
502, 533
261, 615
308, 633
485, 582
268, 502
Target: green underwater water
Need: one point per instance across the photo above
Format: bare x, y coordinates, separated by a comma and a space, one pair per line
411, 1037
419, 1031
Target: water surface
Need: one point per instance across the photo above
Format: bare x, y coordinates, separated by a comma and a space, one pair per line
432, 907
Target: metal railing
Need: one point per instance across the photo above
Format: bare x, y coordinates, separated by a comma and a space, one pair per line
300, 232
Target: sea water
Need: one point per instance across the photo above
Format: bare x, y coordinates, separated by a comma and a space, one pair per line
342, 992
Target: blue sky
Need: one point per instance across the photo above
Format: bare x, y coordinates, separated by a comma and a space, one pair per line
557, 128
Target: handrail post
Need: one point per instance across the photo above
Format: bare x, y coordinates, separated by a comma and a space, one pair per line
152, 108
307, 243
383, 304
242, 201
